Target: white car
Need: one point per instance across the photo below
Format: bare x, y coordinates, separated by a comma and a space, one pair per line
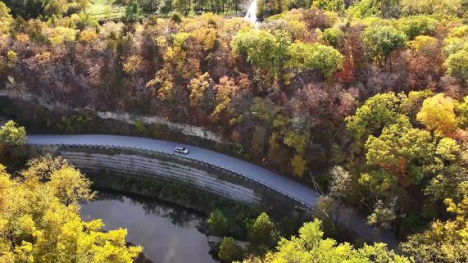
181, 150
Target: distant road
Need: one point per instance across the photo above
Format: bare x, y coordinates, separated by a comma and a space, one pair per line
251, 14
302, 193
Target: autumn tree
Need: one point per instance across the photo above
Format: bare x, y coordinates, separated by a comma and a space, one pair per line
42, 221
311, 246
442, 241
341, 184
463, 113
425, 45
299, 165
225, 90
438, 114
430, 7
5, 18
198, 87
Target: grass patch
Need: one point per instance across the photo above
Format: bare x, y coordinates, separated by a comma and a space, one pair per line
105, 9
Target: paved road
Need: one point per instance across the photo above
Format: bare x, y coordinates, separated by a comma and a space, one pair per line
251, 14
345, 216
292, 188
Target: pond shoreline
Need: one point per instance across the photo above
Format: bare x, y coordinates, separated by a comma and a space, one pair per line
158, 226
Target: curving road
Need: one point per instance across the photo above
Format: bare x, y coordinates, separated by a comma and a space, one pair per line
273, 180
343, 215
251, 14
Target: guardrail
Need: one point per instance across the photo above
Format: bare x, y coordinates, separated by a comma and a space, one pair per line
211, 165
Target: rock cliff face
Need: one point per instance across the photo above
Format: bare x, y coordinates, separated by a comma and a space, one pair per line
124, 117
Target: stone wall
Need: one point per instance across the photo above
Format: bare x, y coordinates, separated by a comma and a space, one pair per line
120, 161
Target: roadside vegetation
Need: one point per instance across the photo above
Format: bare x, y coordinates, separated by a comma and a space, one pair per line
367, 101
39, 213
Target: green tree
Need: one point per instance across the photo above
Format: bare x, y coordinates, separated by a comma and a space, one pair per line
41, 220
133, 11
400, 149
382, 40
383, 214
457, 65
382, 8
361, 9
254, 44
12, 134
379, 182
263, 231
315, 56
27, 8
330, 5
417, 26
217, 222
376, 112
229, 251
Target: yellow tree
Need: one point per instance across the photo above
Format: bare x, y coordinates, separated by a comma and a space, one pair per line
40, 220
311, 247
5, 18
12, 134
437, 113
198, 87
443, 241
463, 113
299, 165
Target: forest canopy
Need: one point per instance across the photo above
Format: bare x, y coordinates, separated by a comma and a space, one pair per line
367, 101
40, 220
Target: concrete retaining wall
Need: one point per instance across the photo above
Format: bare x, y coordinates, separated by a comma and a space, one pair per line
123, 161
126, 164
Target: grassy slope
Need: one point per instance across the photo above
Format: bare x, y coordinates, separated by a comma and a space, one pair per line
104, 9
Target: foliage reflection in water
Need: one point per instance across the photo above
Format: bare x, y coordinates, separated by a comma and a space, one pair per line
167, 232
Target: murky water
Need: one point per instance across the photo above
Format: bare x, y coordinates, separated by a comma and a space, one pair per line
168, 234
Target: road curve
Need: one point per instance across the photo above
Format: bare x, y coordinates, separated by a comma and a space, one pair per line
293, 189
